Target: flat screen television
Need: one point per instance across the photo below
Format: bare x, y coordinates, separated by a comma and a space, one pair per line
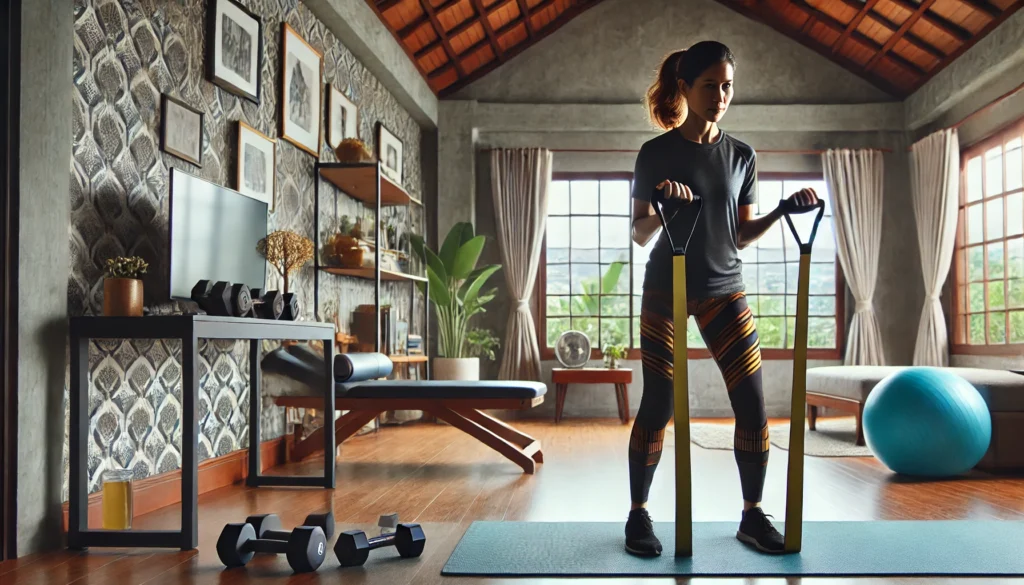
214, 231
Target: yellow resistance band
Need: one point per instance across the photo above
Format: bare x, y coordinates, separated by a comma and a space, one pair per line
795, 477
680, 388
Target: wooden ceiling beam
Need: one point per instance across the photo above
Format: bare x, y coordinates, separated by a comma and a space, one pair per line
772, 19
572, 12
463, 27
452, 55
921, 10
405, 47
893, 27
984, 7
869, 43
854, 23
411, 28
484, 17
385, 5
958, 32
524, 13
448, 64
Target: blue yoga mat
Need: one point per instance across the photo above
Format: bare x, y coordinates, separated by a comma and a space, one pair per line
565, 549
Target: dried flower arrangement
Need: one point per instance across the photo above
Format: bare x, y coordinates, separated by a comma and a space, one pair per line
286, 251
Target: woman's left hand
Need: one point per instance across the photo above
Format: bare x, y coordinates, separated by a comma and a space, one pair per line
804, 198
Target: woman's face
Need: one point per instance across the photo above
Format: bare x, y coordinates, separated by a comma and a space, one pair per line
711, 93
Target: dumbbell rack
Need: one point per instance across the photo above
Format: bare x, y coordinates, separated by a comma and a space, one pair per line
367, 183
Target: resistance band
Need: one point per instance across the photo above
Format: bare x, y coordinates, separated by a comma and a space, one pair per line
795, 475
680, 390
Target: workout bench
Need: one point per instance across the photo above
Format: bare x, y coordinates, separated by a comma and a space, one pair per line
458, 403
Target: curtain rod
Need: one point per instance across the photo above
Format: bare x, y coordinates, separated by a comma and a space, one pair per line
987, 107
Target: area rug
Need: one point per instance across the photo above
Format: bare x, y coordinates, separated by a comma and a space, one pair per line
593, 549
834, 437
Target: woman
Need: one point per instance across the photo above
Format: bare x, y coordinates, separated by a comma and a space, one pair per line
695, 158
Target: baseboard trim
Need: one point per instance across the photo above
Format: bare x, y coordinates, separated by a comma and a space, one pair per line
164, 490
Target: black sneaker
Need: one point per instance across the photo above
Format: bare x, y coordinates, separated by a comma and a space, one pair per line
757, 529
640, 538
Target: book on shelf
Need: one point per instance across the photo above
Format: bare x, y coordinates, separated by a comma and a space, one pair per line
365, 327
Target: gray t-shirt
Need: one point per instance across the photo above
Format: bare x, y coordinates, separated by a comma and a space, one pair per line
722, 174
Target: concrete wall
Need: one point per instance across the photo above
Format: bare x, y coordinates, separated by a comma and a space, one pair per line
559, 94
990, 69
356, 26
608, 55
47, 40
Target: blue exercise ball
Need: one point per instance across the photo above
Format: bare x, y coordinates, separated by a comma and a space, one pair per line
927, 422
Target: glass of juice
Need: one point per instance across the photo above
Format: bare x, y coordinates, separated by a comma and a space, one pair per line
117, 499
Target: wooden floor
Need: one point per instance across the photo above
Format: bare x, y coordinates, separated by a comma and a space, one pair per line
437, 476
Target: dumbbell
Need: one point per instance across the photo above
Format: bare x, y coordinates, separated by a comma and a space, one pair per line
269, 525
353, 548
223, 298
305, 548
269, 305
291, 307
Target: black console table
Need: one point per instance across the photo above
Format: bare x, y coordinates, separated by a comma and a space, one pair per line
189, 329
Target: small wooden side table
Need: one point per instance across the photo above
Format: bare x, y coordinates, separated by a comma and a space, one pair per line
620, 377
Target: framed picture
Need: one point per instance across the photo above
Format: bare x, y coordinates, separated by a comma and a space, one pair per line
235, 48
342, 117
389, 152
256, 174
181, 130
300, 92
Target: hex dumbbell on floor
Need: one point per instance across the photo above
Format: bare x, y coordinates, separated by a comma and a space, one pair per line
353, 548
305, 548
269, 525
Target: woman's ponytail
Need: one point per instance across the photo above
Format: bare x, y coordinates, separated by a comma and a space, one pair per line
664, 98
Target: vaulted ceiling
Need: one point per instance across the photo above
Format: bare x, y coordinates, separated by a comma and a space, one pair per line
896, 44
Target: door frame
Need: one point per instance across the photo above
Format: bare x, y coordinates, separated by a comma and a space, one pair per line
10, 106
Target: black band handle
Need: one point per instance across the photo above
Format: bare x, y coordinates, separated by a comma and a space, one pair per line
659, 202
789, 208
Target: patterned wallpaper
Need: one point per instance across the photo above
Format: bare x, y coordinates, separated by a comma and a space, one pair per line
128, 52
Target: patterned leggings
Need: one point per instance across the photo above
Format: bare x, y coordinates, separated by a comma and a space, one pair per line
727, 327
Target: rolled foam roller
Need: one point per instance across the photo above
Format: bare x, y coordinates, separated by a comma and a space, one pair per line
357, 367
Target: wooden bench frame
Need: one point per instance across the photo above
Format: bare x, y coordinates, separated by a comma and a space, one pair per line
463, 414
847, 405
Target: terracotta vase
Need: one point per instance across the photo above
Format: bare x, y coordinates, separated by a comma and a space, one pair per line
122, 297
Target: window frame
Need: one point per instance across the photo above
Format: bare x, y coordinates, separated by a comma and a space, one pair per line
958, 269
539, 302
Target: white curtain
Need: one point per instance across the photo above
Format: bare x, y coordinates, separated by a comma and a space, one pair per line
854, 180
935, 183
520, 179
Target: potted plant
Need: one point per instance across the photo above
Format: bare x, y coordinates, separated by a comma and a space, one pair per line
482, 343
122, 288
612, 354
455, 289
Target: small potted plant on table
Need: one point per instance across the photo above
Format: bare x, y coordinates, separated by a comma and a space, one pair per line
612, 354
122, 287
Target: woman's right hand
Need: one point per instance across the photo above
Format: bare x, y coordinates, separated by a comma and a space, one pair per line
674, 190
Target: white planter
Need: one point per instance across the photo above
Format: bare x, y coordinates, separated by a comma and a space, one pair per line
456, 368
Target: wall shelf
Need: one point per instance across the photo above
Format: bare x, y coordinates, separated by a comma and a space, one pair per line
368, 273
408, 359
367, 183
359, 180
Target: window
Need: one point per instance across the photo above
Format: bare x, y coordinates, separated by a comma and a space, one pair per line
989, 260
591, 275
